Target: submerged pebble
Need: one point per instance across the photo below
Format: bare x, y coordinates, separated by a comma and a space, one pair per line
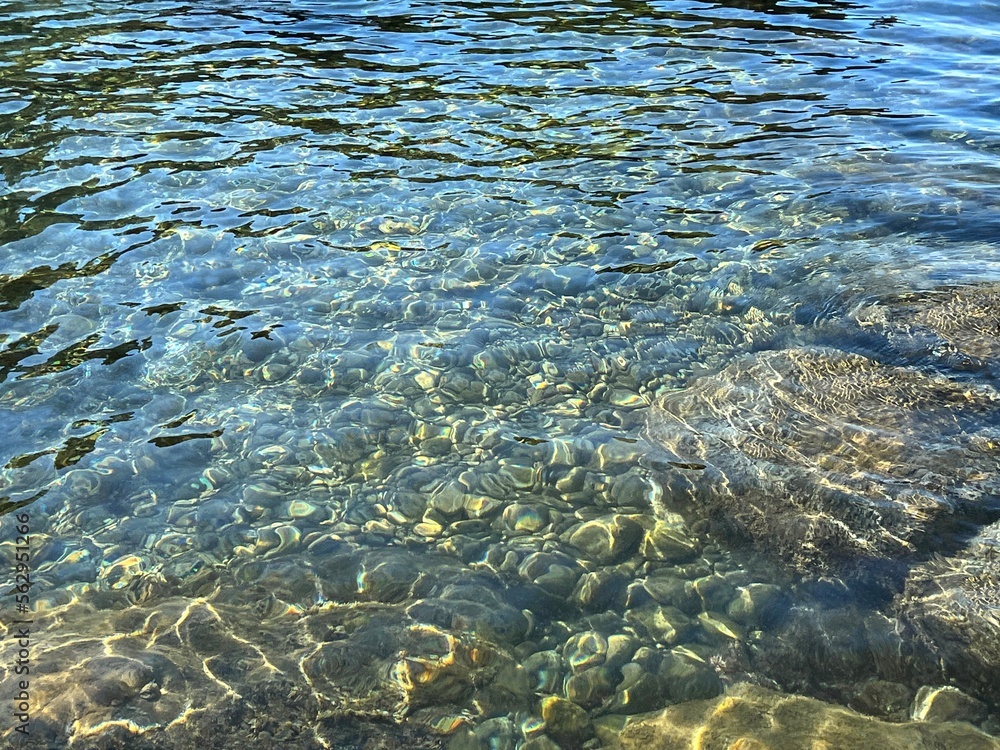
607, 540
446, 415
525, 518
566, 722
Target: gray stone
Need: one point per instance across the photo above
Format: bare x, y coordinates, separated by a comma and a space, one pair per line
521, 518
566, 722
883, 698
718, 629
631, 491
648, 658
537, 564
545, 671
540, 742
621, 647
590, 687
665, 588
752, 718
450, 499
666, 625
959, 324
518, 476
607, 539
497, 734
585, 650
758, 605
946, 704
436, 446
686, 677
668, 543
715, 591
953, 604
829, 461
616, 456
638, 691
572, 481
597, 590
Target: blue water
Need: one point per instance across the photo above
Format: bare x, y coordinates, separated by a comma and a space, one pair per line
400, 281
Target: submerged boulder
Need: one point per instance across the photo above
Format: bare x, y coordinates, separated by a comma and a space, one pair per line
830, 461
353, 647
754, 718
953, 605
958, 325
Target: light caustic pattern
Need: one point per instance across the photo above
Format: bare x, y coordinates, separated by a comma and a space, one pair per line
336, 339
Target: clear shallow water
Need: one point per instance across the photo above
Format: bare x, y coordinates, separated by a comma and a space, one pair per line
296, 292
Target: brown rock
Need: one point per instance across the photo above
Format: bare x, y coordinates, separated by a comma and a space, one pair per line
752, 718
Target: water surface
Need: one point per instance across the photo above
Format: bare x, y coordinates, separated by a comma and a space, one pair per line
316, 309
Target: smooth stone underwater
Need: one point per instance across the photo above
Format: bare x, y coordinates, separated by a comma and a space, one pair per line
952, 605
957, 326
753, 718
830, 461
858, 469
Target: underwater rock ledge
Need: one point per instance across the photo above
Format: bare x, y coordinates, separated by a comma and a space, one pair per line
953, 605
955, 327
840, 466
832, 462
754, 718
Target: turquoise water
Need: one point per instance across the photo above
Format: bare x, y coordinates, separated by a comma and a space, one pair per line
334, 329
